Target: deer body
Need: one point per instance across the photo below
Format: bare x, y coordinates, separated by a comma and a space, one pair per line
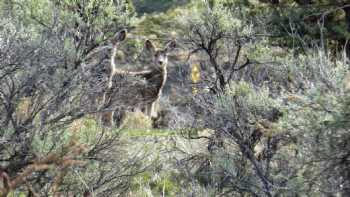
155, 81
144, 96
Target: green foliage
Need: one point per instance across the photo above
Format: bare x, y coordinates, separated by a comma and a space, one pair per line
45, 43
149, 6
158, 183
310, 117
296, 24
221, 17
314, 118
155, 24
164, 185
285, 115
253, 100
147, 133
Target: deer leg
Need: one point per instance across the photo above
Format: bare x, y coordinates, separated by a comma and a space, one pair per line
143, 109
107, 119
146, 110
118, 117
153, 112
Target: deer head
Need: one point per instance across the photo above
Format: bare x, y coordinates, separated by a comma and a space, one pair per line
160, 56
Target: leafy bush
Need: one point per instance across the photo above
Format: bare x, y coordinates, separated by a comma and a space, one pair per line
284, 134
149, 6
45, 146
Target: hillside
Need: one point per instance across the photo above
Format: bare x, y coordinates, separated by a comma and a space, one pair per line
174, 98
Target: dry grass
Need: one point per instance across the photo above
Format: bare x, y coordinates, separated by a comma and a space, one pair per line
136, 120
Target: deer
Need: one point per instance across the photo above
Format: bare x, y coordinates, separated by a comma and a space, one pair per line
146, 92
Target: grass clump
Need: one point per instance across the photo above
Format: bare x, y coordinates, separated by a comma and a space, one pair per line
137, 120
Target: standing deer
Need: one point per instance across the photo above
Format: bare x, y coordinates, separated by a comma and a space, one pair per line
146, 88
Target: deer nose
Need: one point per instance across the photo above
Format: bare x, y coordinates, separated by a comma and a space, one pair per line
160, 62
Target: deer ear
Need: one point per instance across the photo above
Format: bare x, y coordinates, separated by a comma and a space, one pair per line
149, 46
120, 36
170, 46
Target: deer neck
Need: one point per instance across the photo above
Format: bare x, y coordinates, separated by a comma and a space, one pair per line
114, 54
113, 65
164, 78
165, 73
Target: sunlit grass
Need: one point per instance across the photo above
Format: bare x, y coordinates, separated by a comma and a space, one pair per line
147, 132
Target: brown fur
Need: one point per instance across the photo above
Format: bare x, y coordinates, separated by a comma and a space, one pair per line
135, 94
